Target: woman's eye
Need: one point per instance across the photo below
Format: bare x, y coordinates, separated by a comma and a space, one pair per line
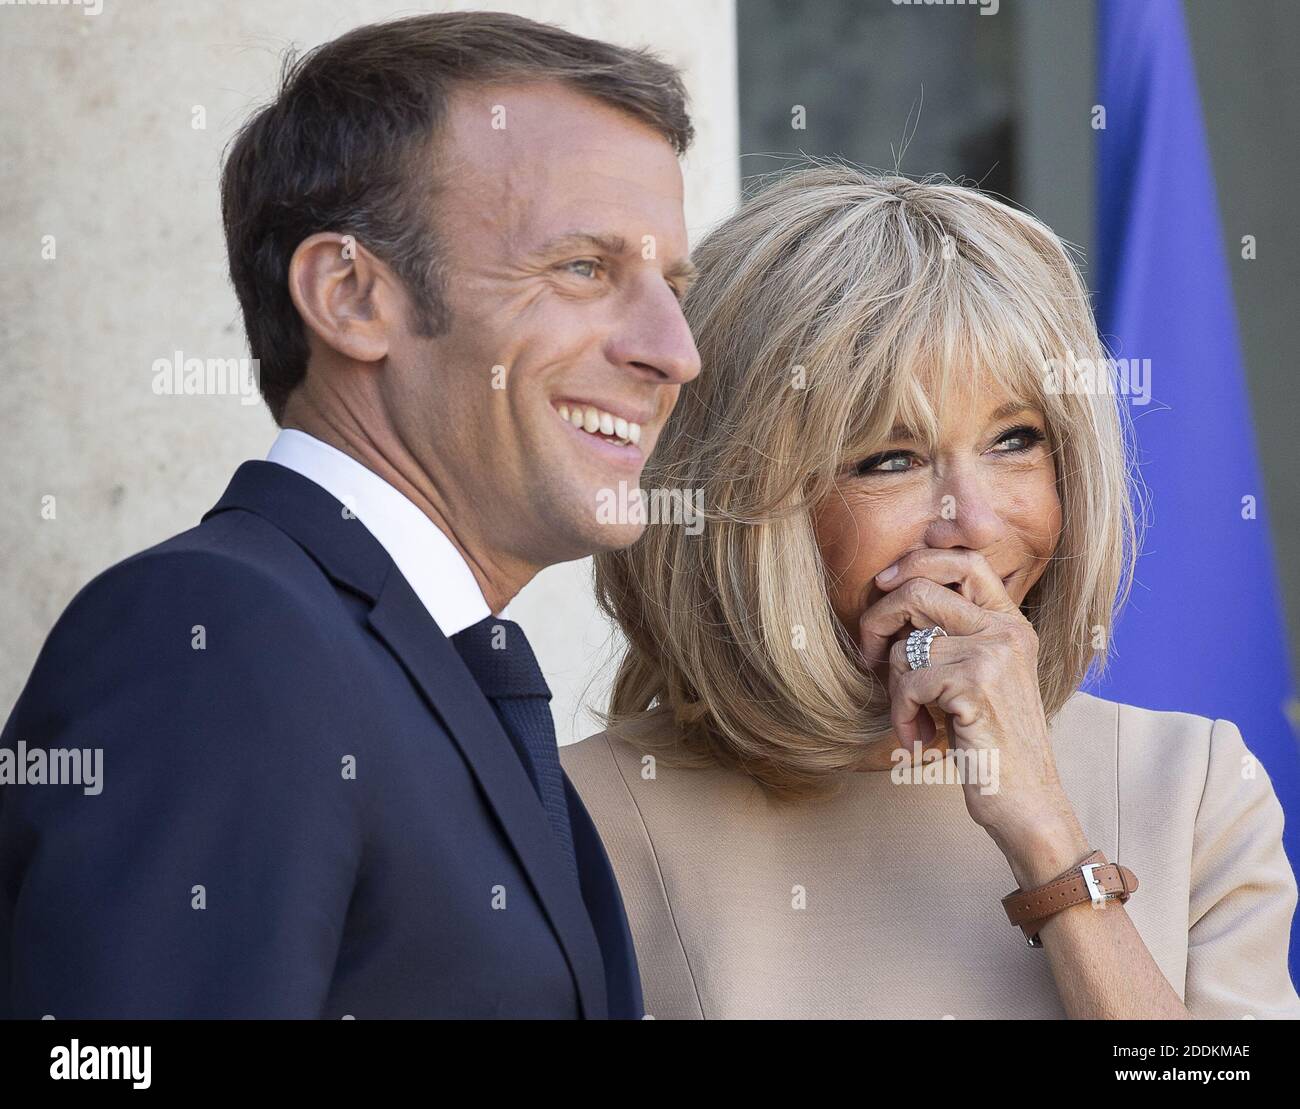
886, 463
1020, 439
1012, 441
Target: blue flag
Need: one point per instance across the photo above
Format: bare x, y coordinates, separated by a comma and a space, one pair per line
1203, 631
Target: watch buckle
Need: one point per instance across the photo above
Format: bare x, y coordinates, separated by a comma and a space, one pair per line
1099, 896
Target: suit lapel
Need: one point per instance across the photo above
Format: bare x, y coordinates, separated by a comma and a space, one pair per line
352, 557
433, 664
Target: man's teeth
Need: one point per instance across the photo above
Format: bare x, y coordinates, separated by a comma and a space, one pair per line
598, 422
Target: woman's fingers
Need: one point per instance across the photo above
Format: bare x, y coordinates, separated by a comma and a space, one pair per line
907, 700
917, 730
918, 595
915, 604
977, 580
944, 684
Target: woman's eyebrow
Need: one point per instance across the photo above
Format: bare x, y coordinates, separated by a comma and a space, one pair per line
906, 434
1010, 409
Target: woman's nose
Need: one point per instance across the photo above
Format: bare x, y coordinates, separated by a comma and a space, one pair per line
967, 515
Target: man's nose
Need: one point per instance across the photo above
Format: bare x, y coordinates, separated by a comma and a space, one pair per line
656, 338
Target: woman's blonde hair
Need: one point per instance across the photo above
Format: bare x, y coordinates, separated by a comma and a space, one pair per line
824, 311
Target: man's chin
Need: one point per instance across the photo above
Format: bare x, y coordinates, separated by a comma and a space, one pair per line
590, 522
617, 510
614, 537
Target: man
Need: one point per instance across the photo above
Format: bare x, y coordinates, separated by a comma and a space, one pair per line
330, 784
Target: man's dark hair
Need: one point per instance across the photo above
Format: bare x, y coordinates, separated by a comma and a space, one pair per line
350, 142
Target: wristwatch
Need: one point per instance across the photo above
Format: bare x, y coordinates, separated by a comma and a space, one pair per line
1091, 880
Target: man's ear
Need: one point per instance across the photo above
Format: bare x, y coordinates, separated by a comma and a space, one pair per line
345, 295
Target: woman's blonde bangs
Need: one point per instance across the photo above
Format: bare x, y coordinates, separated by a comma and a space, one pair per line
828, 310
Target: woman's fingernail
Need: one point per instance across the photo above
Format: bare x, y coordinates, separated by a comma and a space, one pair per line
887, 573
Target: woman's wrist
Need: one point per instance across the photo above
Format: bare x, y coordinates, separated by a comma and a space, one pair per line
1039, 851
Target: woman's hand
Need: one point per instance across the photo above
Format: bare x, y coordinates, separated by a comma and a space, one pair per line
984, 676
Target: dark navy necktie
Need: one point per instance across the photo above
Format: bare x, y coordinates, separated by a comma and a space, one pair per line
498, 654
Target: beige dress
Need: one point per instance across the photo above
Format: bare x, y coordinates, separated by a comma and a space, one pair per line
885, 901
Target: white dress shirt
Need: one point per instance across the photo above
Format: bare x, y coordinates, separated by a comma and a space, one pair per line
427, 559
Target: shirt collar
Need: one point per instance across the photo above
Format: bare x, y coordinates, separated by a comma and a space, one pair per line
428, 560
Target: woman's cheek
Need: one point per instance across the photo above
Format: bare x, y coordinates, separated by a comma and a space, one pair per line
1038, 519
1045, 514
851, 530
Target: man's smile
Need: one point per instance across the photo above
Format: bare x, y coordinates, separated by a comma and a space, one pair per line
614, 437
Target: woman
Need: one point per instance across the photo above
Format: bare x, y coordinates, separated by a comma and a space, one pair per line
848, 720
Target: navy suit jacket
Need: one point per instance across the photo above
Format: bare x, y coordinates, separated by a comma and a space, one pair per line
308, 808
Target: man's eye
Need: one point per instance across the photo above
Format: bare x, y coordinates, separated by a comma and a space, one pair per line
584, 267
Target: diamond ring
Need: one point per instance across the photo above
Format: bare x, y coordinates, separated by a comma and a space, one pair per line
918, 647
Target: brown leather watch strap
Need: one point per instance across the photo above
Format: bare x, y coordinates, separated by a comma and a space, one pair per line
1089, 880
